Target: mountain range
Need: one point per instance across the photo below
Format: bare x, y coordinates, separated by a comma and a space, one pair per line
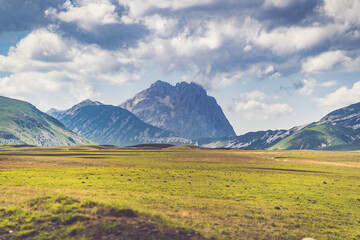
163, 113
339, 130
250, 140
107, 124
22, 123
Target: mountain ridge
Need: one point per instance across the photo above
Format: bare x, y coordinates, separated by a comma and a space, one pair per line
22, 123
340, 129
107, 124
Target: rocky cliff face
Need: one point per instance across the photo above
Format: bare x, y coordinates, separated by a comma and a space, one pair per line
184, 109
106, 124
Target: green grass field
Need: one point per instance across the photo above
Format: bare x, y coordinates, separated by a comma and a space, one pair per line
180, 192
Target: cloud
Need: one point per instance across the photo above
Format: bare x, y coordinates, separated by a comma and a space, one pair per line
45, 61
20, 15
197, 47
345, 11
278, 3
254, 95
342, 97
86, 14
139, 8
288, 40
219, 80
206, 40
331, 61
24, 83
213, 42
307, 86
253, 109
100, 22
253, 106
266, 71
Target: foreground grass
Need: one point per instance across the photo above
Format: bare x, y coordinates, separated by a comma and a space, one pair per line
62, 217
225, 194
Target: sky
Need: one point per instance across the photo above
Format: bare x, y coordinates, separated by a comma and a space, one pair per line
270, 64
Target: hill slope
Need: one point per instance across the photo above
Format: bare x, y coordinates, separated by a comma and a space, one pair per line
338, 130
22, 123
108, 124
184, 109
316, 136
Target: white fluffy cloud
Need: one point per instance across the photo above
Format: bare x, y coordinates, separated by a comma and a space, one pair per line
44, 61
200, 44
253, 109
16, 83
87, 14
331, 61
195, 47
342, 97
344, 11
195, 43
288, 40
253, 106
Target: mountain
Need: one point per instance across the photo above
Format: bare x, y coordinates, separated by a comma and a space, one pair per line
113, 125
251, 140
59, 114
338, 130
184, 109
22, 123
315, 136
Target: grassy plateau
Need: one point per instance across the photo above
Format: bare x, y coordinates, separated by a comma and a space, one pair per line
182, 192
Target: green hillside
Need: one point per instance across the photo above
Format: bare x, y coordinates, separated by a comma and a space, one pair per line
23, 123
315, 136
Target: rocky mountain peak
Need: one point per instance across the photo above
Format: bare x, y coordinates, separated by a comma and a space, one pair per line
160, 83
84, 103
159, 88
190, 88
88, 102
184, 109
58, 113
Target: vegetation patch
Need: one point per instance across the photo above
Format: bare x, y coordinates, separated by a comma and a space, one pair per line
64, 217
